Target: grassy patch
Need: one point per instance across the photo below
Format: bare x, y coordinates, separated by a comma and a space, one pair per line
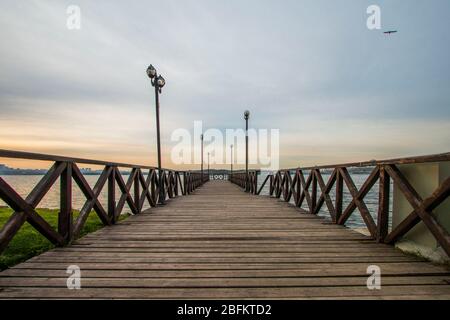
28, 242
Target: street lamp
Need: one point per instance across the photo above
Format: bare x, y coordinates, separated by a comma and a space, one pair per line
201, 138
231, 171
158, 83
246, 116
209, 175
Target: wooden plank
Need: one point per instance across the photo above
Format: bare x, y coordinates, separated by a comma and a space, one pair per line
403, 272
199, 266
254, 282
239, 254
186, 271
226, 260
226, 293
233, 249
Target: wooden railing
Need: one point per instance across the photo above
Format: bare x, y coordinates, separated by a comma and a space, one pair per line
135, 191
248, 183
291, 184
193, 180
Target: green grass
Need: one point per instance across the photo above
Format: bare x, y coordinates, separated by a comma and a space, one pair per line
28, 242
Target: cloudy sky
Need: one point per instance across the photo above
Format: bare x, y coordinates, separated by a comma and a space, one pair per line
336, 90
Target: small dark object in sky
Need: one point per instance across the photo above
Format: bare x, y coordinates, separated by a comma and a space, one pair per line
389, 32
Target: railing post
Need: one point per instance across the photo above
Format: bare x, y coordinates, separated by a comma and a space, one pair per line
153, 188
339, 195
65, 221
246, 182
137, 192
383, 205
185, 183
176, 176
313, 191
298, 188
112, 195
287, 185
169, 185
271, 189
278, 185
162, 192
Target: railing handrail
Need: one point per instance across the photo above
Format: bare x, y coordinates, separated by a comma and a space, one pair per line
56, 158
406, 160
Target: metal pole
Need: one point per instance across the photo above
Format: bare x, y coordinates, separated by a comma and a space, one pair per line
201, 138
246, 153
162, 193
231, 173
208, 167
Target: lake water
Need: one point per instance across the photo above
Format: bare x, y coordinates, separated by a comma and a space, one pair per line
24, 184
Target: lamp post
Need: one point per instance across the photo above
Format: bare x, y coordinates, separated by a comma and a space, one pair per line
231, 162
158, 83
246, 116
201, 138
209, 176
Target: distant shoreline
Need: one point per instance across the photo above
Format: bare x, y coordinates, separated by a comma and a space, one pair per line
365, 170
41, 174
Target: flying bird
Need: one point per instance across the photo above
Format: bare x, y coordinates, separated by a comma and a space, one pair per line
389, 32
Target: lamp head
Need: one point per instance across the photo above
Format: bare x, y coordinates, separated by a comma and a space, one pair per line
161, 81
151, 72
246, 114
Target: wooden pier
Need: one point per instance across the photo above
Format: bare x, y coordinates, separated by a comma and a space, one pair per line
223, 243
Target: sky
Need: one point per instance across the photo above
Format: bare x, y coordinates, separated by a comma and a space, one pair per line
337, 91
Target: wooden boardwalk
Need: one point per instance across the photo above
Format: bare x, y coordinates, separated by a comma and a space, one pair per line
224, 243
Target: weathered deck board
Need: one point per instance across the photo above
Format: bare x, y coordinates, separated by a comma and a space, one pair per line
223, 243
